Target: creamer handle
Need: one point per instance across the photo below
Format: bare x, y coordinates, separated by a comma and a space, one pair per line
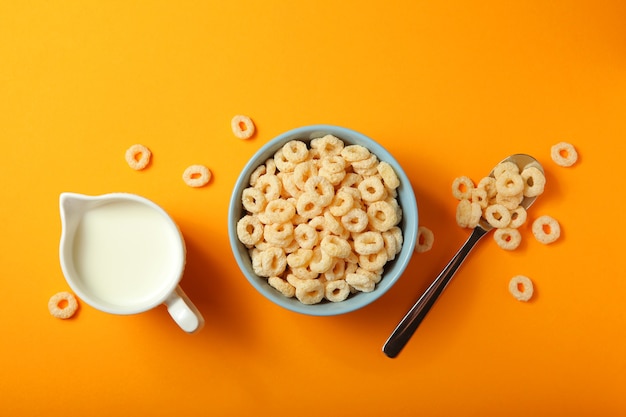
184, 313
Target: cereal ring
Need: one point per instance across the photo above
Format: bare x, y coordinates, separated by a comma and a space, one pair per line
425, 239
511, 202
270, 166
372, 189
301, 257
351, 179
508, 238
368, 243
308, 205
342, 203
366, 166
333, 164
327, 145
333, 224
278, 234
138, 157
256, 174
282, 163
489, 185
62, 305
382, 215
336, 247
269, 185
503, 167
321, 187
295, 151
273, 261
302, 172
354, 153
253, 200
388, 174
321, 261
280, 211
479, 196
374, 261
310, 291
534, 181
468, 214
509, 184
546, 229
334, 178
196, 176
360, 282
336, 271
462, 188
249, 230
390, 244
302, 272
337, 290
282, 286
497, 215
374, 276
518, 217
521, 287
564, 154
306, 236
242, 127
355, 220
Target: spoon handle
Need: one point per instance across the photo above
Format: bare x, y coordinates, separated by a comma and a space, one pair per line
407, 326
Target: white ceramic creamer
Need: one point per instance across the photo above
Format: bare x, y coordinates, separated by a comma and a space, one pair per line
123, 254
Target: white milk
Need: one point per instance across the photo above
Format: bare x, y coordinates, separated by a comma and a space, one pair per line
124, 253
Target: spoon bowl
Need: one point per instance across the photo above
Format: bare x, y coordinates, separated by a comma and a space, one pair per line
411, 321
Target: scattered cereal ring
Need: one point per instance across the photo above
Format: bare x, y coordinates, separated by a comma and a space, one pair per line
196, 175
534, 181
282, 286
425, 239
521, 287
249, 230
564, 154
62, 305
242, 127
462, 188
508, 238
138, 157
337, 290
546, 229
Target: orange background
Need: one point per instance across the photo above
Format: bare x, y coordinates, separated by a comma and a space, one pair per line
448, 87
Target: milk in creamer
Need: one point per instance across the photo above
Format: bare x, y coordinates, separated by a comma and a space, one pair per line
125, 253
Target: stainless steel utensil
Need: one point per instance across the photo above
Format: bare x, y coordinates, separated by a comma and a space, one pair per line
409, 324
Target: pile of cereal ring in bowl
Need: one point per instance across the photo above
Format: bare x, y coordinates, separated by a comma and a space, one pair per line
322, 220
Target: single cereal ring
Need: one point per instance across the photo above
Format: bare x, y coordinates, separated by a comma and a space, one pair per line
511, 202
354, 153
260, 170
282, 163
366, 166
302, 172
62, 305
341, 204
374, 261
308, 205
489, 185
306, 236
336, 247
333, 224
518, 217
372, 189
360, 282
196, 176
242, 127
564, 154
521, 287
374, 276
138, 157
310, 291
546, 229
336, 271
534, 181
301, 257
503, 167
270, 166
336, 290
497, 215
270, 185
352, 179
321, 261
289, 186
301, 272
295, 151
367, 243
507, 238
273, 261
388, 174
327, 145
425, 239
282, 286
468, 214
335, 178
279, 234
509, 184
280, 211
253, 200
249, 230
333, 164
355, 220
382, 215
390, 244
462, 188
321, 187
479, 196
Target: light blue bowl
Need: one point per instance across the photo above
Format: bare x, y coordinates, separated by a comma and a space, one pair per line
393, 269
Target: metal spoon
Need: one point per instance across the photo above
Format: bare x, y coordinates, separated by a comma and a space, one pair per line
407, 326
